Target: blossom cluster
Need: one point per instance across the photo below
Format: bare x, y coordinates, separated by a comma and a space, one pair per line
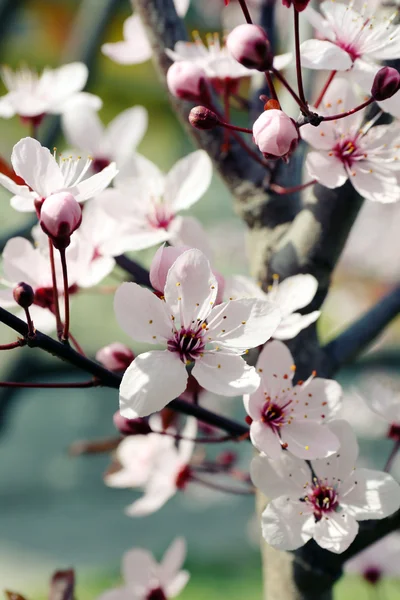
213, 336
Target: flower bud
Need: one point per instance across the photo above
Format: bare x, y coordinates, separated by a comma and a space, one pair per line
115, 356
131, 426
227, 458
188, 81
275, 133
23, 294
249, 45
60, 216
201, 117
298, 4
386, 84
163, 260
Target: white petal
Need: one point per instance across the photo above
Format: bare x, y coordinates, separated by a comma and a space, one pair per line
391, 105
37, 167
373, 183
309, 440
122, 593
90, 187
22, 262
292, 325
83, 129
265, 440
19, 190
339, 466
63, 82
187, 444
141, 314
188, 231
138, 568
284, 523
144, 390
328, 170
174, 587
191, 288
281, 477
239, 286
321, 137
181, 7
295, 292
322, 54
23, 204
172, 561
336, 531
140, 172
7, 109
275, 364
125, 132
369, 494
6, 298
282, 60
136, 49
244, 323
96, 271
188, 180
317, 397
225, 374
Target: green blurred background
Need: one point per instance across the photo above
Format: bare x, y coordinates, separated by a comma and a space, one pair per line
55, 511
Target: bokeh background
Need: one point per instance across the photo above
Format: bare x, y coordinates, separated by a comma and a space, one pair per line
55, 511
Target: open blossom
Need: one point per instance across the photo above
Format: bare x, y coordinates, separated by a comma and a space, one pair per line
116, 142
289, 296
381, 393
135, 47
379, 560
145, 579
30, 95
325, 501
45, 176
144, 202
344, 149
155, 463
287, 416
193, 330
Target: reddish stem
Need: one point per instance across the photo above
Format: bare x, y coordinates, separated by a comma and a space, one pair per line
278, 189
298, 58
349, 112
271, 86
31, 327
94, 447
205, 440
65, 333
77, 384
235, 127
12, 345
303, 107
325, 89
222, 488
56, 308
245, 10
225, 144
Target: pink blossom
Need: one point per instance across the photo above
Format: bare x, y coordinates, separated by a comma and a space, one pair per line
276, 134
145, 579
115, 356
249, 45
60, 216
192, 329
189, 82
379, 560
287, 416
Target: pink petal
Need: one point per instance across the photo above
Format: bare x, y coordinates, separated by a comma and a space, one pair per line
275, 365
265, 440
328, 170
284, 523
188, 180
322, 54
336, 532
225, 374
309, 440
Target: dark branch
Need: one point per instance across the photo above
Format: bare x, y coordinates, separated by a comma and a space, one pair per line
140, 274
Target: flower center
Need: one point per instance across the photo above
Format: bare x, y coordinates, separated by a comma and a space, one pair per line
372, 575
273, 415
160, 216
99, 164
156, 594
347, 152
350, 48
183, 477
44, 297
188, 343
394, 431
323, 498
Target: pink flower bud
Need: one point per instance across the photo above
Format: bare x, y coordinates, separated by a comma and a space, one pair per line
249, 45
188, 81
298, 4
163, 260
201, 117
115, 356
275, 134
23, 294
131, 426
386, 84
60, 216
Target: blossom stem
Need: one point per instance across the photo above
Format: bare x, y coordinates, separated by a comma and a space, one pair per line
246, 12
31, 327
325, 89
298, 57
235, 127
349, 112
74, 384
303, 107
94, 447
18, 344
392, 456
76, 344
222, 488
205, 440
278, 189
270, 83
225, 143
56, 308
65, 333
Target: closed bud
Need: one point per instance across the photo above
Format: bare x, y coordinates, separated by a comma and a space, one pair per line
201, 117
298, 4
276, 134
115, 356
188, 81
226, 459
60, 216
249, 45
163, 260
23, 294
386, 84
131, 426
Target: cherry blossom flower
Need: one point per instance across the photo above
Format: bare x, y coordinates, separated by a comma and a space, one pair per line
367, 156
216, 60
135, 47
290, 295
155, 463
287, 416
55, 90
85, 132
144, 203
350, 39
382, 559
45, 176
325, 501
193, 331
145, 579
